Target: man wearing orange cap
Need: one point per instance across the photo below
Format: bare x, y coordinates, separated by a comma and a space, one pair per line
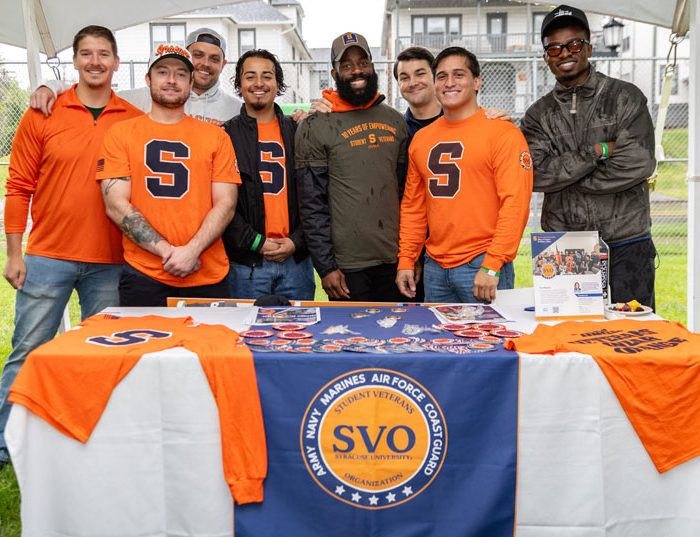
169, 182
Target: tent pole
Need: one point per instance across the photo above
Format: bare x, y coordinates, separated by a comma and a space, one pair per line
32, 39
694, 177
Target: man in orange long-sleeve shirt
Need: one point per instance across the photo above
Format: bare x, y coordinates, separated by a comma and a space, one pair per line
469, 181
72, 243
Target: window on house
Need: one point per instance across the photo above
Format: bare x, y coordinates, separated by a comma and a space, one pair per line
418, 25
625, 43
435, 31
324, 80
246, 40
167, 33
537, 19
496, 29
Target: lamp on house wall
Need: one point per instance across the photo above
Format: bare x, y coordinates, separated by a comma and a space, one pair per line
612, 35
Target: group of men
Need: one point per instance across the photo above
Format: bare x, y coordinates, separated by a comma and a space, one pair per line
374, 200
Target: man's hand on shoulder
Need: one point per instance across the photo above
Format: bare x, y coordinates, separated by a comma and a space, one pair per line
322, 105
317, 105
42, 99
334, 285
498, 113
15, 271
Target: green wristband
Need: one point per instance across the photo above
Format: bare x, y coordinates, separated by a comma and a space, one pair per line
491, 272
606, 150
256, 243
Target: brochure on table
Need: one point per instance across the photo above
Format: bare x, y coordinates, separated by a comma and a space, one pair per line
567, 274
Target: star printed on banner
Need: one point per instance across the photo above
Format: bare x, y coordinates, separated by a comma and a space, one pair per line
340, 490
391, 497
356, 497
373, 500
407, 491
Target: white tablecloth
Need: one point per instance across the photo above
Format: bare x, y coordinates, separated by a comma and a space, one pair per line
153, 464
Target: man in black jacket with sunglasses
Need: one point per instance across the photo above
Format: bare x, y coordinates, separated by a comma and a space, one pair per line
592, 145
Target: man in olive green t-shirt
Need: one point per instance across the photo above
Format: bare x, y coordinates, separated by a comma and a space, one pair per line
348, 164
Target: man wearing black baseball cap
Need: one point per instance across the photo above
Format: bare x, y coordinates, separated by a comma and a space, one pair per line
208, 101
592, 145
562, 17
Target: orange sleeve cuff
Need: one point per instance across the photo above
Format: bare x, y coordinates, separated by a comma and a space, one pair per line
405, 263
16, 212
247, 491
491, 262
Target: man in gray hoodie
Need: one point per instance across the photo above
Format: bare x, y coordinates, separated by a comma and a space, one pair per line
592, 145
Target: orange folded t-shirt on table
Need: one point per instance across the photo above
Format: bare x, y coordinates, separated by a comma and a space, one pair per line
654, 369
69, 380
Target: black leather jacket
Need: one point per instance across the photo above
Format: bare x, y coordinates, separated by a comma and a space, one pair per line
249, 220
581, 191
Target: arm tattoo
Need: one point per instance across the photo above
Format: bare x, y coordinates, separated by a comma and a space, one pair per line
136, 227
109, 183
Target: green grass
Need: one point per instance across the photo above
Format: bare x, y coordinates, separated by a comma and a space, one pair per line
9, 491
9, 504
675, 142
671, 180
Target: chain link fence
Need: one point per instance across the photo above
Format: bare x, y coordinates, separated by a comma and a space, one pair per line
509, 83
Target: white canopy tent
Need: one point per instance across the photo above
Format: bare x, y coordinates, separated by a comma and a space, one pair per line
48, 26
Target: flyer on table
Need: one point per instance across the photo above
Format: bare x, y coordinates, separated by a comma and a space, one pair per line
567, 273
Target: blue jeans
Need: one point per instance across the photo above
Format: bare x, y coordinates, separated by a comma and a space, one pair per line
292, 280
455, 284
39, 306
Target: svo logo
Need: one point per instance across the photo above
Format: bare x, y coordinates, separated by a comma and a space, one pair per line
128, 337
398, 439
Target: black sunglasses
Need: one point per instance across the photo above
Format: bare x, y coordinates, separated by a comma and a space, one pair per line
574, 46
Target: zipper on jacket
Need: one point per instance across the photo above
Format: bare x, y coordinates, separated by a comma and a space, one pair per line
572, 110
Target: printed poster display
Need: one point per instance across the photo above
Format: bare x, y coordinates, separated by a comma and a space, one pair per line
286, 314
466, 313
568, 271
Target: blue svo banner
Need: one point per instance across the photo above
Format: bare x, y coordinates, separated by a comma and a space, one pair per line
387, 445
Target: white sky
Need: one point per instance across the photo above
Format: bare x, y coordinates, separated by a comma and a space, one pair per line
327, 19
324, 21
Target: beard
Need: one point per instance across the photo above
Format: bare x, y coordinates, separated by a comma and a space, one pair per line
168, 101
358, 97
213, 79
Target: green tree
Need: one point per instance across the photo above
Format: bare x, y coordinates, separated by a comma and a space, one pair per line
13, 103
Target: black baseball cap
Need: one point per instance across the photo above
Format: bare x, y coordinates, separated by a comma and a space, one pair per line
563, 16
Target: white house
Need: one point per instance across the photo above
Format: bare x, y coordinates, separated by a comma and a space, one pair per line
504, 35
